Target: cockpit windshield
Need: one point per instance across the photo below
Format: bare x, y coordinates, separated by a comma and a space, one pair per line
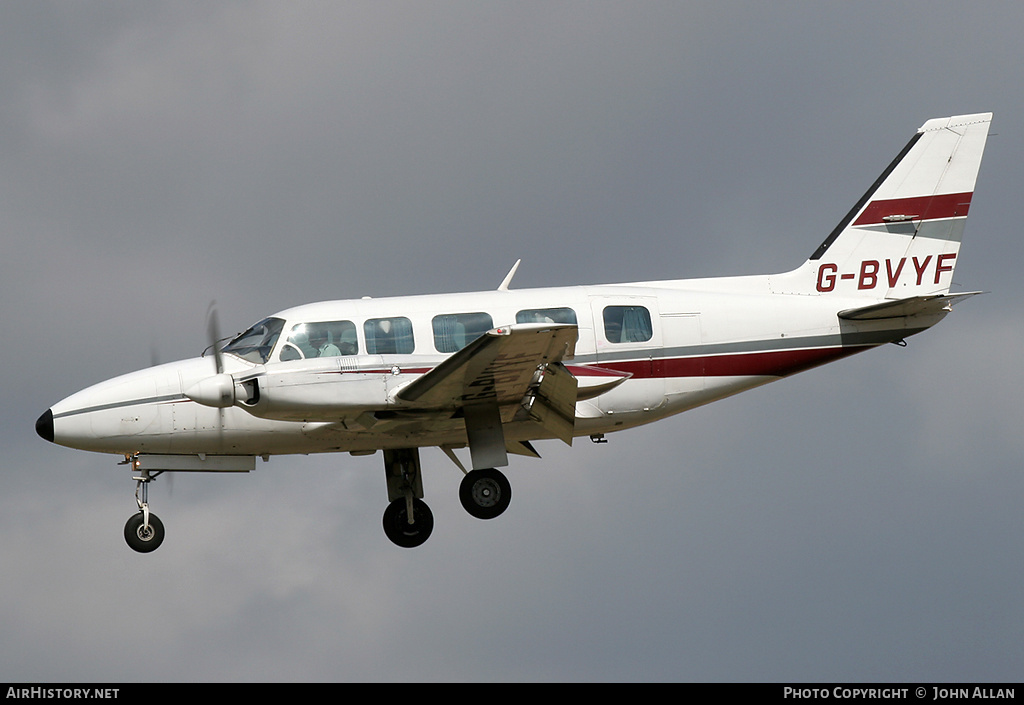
256, 344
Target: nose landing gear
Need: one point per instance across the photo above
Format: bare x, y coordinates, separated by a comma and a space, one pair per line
144, 532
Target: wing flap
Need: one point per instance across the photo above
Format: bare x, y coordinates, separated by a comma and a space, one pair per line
554, 404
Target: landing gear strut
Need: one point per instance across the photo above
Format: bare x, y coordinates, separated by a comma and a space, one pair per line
144, 532
407, 520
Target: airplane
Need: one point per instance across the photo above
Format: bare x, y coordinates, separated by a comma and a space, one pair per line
497, 370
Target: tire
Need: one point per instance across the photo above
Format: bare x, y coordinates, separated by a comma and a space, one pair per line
139, 538
398, 529
485, 493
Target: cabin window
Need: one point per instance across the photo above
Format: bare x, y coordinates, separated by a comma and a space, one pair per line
256, 343
389, 336
454, 331
547, 315
322, 339
627, 324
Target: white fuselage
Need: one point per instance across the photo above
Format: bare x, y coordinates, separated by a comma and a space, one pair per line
705, 339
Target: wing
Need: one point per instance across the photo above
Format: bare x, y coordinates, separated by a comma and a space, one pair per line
499, 365
509, 373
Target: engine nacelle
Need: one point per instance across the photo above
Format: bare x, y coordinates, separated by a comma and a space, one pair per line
217, 391
312, 395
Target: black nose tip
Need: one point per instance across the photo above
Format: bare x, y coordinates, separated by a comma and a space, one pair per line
44, 426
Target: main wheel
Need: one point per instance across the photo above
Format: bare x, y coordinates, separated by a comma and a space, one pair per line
485, 493
400, 531
144, 538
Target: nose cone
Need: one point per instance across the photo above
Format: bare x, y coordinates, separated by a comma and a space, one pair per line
44, 425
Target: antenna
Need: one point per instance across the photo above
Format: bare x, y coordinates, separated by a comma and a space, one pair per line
508, 277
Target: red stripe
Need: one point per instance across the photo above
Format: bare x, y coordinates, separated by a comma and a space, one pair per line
947, 205
592, 371
776, 364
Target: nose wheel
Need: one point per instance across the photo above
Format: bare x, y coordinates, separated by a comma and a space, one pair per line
144, 535
144, 532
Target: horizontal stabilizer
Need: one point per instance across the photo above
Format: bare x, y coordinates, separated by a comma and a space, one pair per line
901, 308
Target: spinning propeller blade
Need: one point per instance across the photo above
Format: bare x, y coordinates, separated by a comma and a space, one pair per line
213, 333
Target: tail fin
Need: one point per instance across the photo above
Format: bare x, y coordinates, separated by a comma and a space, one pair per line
902, 237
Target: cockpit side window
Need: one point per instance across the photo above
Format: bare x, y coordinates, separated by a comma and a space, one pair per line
389, 336
320, 339
256, 344
455, 331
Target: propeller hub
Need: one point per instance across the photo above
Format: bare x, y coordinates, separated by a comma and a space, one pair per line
217, 391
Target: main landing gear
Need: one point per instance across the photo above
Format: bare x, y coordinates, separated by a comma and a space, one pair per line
144, 531
485, 493
408, 521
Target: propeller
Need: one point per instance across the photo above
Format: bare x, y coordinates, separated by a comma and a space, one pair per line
217, 391
213, 333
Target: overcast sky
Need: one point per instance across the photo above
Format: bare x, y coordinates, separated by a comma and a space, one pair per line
860, 521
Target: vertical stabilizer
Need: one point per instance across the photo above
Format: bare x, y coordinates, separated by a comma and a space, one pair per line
903, 236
